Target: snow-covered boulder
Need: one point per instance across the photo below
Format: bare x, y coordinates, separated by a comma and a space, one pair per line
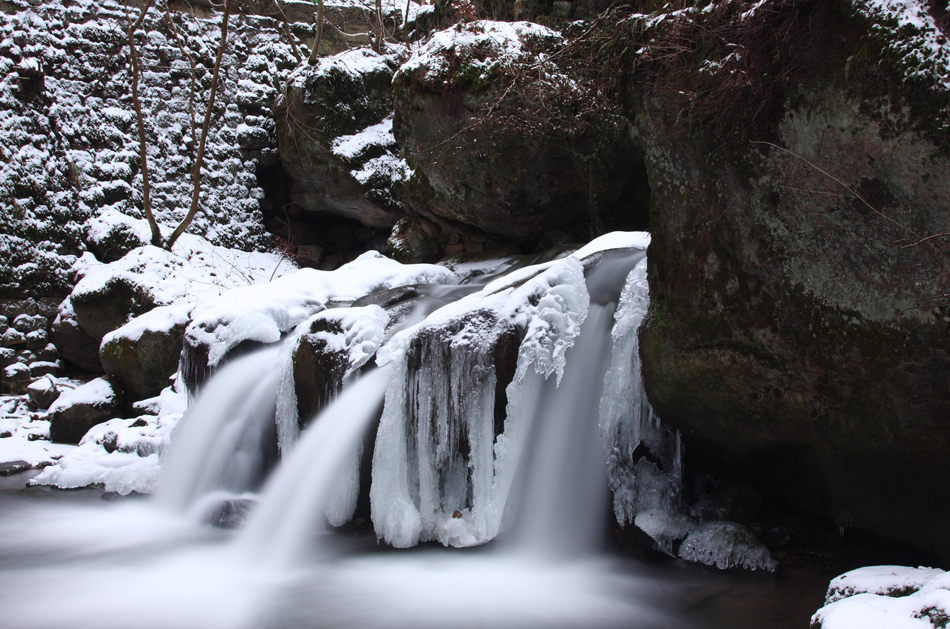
144, 353
255, 315
896, 597
76, 411
334, 346
726, 545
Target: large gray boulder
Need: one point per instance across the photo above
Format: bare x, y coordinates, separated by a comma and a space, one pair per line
334, 128
793, 332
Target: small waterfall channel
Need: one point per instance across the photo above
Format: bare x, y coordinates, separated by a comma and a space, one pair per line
510, 411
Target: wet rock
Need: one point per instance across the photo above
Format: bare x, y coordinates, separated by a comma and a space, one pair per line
726, 545
72, 341
231, 514
14, 467
336, 345
144, 353
78, 410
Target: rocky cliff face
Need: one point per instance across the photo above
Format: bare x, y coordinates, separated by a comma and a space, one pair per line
798, 278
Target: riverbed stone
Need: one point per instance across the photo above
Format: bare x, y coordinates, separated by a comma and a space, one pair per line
10, 468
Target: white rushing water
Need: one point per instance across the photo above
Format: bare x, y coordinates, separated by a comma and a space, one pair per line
561, 497
295, 500
451, 464
227, 439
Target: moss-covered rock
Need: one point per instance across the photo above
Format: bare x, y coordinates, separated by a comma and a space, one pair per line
796, 328
143, 354
499, 136
334, 132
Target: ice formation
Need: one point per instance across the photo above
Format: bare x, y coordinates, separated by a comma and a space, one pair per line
436, 474
726, 545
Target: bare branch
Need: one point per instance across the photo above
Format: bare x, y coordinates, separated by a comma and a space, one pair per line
196, 171
140, 120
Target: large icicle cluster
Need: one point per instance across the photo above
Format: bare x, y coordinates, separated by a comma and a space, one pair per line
643, 457
438, 471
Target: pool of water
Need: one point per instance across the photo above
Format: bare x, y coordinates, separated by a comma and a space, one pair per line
72, 559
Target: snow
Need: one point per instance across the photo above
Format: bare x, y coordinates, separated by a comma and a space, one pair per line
503, 39
389, 167
162, 320
194, 271
16, 419
880, 580
94, 393
350, 146
121, 458
907, 29
614, 240
123, 455
879, 597
262, 313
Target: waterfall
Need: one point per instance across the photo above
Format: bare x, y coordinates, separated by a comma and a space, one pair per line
227, 441
456, 432
295, 499
561, 498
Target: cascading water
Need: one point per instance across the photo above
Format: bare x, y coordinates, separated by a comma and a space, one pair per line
562, 495
520, 380
295, 499
228, 439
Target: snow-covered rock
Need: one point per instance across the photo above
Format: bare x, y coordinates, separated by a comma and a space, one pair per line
144, 353
261, 314
330, 349
886, 597
76, 411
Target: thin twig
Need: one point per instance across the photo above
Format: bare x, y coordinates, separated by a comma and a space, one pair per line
196, 171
